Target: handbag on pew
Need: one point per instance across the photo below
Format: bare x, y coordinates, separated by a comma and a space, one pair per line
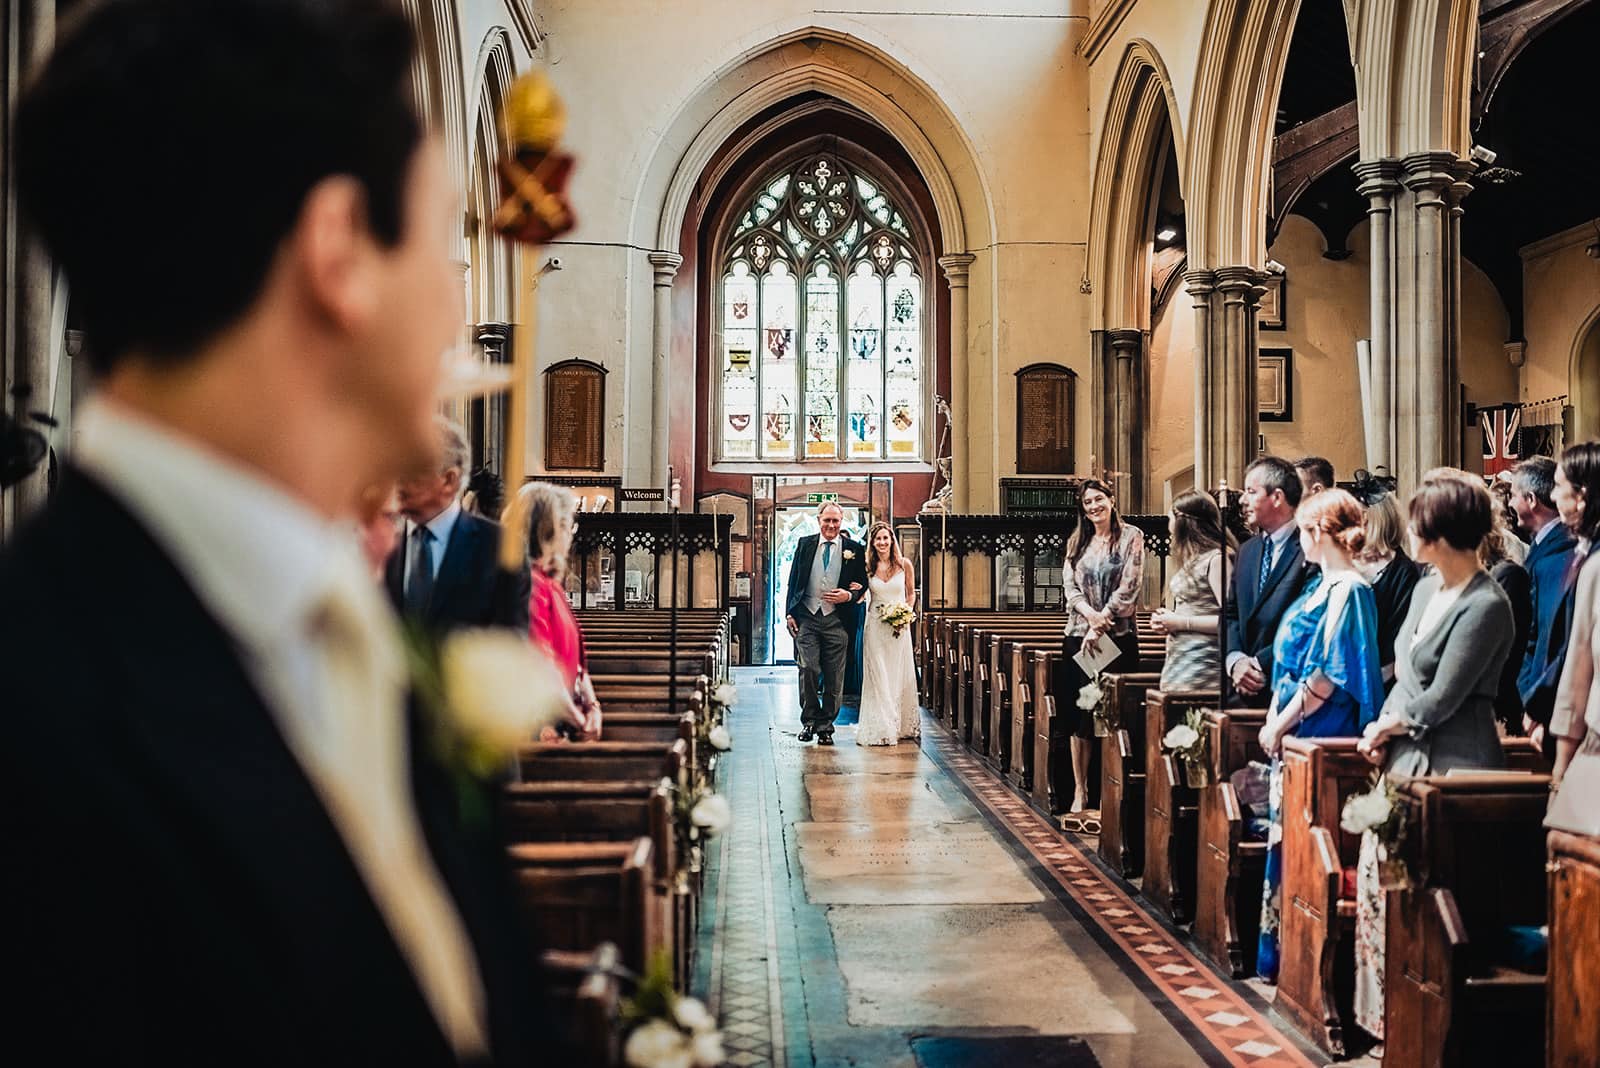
1576, 806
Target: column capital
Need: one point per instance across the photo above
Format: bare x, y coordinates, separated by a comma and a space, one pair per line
666, 265
1238, 277
955, 267
1125, 343
1377, 177
1199, 284
1430, 171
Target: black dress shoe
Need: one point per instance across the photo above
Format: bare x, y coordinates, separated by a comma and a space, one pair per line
825, 738
805, 734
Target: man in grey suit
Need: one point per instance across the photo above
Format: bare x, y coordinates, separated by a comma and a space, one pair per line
826, 583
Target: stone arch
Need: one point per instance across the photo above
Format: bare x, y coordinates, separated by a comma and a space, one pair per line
1141, 115
1229, 153
1583, 379
438, 84
841, 64
1413, 61
491, 296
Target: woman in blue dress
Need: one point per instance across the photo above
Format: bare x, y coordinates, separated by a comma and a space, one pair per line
1326, 678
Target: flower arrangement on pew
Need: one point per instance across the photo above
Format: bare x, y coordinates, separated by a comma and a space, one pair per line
483, 692
724, 695
1187, 741
1379, 811
1094, 700
702, 813
898, 616
667, 1029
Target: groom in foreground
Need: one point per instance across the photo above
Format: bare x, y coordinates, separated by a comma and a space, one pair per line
225, 843
826, 583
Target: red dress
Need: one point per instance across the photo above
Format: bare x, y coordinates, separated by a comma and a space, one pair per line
553, 628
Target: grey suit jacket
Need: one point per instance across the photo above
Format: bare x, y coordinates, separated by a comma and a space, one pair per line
1445, 684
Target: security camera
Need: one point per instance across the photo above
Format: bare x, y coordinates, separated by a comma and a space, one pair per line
1276, 268
1484, 156
551, 264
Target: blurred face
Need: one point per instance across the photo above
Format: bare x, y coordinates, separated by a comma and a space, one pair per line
560, 546
1097, 506
831, 519
1311, 544
1569, 500
412, 315
1526, 506
380, 531
421, 497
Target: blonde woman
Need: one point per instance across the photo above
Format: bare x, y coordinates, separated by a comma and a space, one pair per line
552, 521
889, 710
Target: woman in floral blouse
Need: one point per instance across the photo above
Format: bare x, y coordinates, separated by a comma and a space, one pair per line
1101, 582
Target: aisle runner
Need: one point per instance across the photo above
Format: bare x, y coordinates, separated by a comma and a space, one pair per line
1221, 1016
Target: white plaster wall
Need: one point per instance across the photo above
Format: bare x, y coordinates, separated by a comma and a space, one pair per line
1008, 113
1560, 298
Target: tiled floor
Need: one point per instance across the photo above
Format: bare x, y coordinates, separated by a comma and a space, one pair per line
897, 907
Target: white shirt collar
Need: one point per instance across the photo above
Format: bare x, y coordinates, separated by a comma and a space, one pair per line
1546, 529
259, 559
1281, 535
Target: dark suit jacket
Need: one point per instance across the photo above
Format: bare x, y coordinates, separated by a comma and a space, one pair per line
1253, 617
471, 589
174, 891
1518, 588
851, 570
1546, 650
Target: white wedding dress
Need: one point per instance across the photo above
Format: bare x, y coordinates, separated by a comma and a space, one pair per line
888, 673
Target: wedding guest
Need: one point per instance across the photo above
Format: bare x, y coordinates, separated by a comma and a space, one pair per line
1575, 720
1272, 573
552, 521
1193, 661
222, 846
447, 572
1549, 556
1105, 566
1316, 475
1326, 678
1513, 580
1505, 532
378, 524
1441, 715
1391, 573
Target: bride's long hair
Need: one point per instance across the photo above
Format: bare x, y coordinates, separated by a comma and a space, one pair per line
896, 560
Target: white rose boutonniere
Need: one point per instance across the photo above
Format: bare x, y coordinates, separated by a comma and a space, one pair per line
849, 554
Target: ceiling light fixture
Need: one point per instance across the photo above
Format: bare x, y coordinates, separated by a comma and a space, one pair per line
1167, 233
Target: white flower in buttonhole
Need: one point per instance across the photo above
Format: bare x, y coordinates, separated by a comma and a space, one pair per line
711, 814
1181, 737
849, 554
495, 690
658, 1044
725, 694
720, 738
1090, 696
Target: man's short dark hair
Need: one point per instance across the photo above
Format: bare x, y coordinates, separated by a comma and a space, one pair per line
1278, 474
167, 147
1316, 469
1536, 476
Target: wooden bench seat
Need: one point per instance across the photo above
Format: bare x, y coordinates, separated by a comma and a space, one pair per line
575, 896
1122, 774
1573, 994
1172, 808
603, 761
1230, 868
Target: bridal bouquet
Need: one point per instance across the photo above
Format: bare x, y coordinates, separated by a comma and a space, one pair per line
898, 616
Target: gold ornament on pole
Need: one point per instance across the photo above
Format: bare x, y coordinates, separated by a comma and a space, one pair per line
533, 210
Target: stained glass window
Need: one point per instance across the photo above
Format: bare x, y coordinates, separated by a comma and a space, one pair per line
823, 325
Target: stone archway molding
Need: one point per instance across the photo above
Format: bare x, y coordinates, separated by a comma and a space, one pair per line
1583, 390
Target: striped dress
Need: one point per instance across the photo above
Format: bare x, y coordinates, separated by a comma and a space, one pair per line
1193, 662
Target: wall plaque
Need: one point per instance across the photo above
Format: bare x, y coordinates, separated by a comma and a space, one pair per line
1044, 419
575, 416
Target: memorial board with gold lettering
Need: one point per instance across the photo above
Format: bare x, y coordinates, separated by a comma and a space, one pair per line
575, 416
1044, 419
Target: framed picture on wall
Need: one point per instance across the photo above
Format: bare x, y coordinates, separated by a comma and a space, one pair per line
1275, 385
1270, 315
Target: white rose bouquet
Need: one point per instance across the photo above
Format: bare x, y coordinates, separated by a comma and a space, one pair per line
1188, 741
669, 1031
1379, 812
897, 616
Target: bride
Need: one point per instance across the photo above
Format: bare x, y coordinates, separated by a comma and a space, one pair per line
888, 676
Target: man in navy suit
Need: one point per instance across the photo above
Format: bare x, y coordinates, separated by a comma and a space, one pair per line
446, 571
826, 583
1548, 565
1270, 574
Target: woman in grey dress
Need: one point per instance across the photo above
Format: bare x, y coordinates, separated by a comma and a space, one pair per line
1193, 661
1441, 713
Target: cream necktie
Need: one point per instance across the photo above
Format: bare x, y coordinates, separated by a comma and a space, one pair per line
362, 773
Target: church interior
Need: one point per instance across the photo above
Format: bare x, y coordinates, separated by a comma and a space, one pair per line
953, 266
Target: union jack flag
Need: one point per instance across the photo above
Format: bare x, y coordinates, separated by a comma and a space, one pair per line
1501, 427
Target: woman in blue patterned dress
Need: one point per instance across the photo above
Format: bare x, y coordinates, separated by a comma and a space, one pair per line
1326, 678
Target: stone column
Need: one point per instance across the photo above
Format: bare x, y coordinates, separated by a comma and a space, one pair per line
1459, 189
1225, 301
1126, 437
666, 266
1428, 334
956, 266
1379, 183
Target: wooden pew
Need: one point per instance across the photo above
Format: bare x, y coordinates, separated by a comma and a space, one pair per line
1573, 990
1231, 868
603, 761
1316, 973
1021, 709
985, 697
1122, 774
1171, 808
574, 896
586, 996
1476, 850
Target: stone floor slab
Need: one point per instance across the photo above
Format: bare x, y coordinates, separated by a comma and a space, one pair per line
888, 797
909, 864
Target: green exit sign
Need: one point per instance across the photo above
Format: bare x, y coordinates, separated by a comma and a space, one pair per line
822, 498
